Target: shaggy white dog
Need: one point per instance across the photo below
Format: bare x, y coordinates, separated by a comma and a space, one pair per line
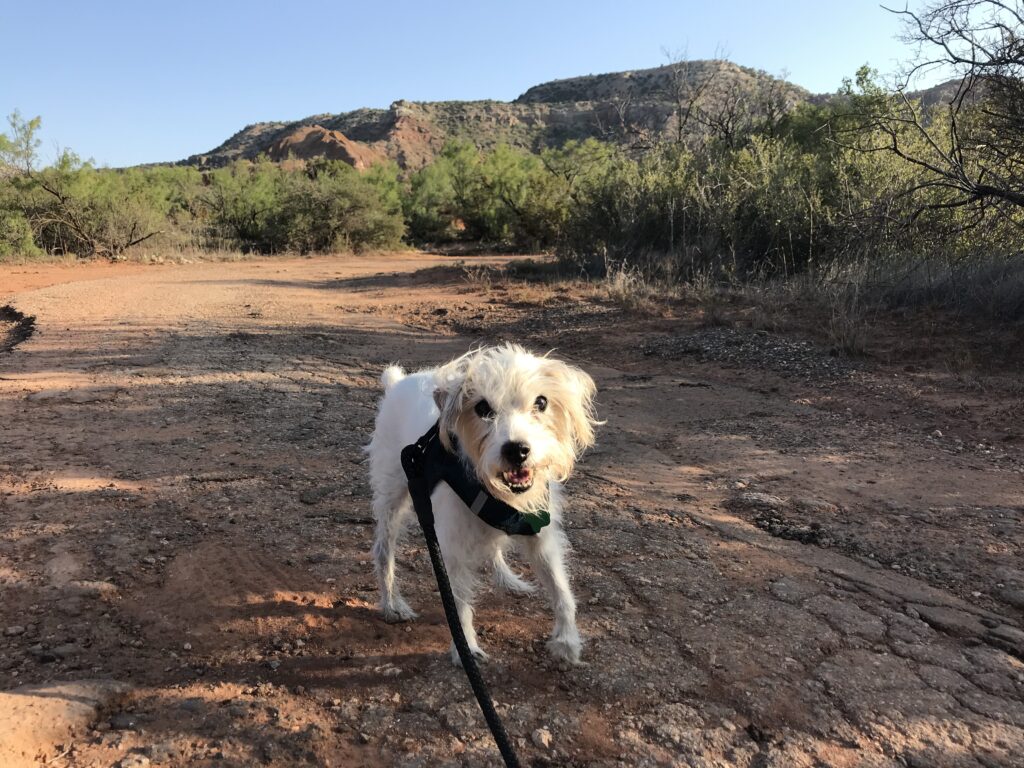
519, 422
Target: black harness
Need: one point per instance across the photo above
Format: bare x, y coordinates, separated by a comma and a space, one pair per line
426, 463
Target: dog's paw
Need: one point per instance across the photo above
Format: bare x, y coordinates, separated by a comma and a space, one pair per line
398, 612
567, 649
478, 653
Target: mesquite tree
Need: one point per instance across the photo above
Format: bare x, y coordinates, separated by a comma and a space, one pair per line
968, 147
70, 207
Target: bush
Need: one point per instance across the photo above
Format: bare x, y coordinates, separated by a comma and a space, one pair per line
16, 235
327, 207
79, 209
333, 208
502, 197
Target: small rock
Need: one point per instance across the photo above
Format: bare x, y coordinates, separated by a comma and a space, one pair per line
187, 646
1014, 597
42, 655
94, 590
163, 752
541, 738
936, 433
316, 495
949, 620
14, 630
758, 501
1008, 638
124, 721
192, 705
66, 650
70, 606
133, 761
815, 506
100, 590
149, 560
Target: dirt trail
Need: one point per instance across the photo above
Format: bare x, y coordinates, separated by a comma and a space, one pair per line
774, 568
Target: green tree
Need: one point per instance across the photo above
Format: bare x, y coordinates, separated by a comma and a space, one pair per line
329, 206
70, 206
17, 150
18, 147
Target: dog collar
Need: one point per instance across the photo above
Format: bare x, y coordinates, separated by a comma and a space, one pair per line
427, 463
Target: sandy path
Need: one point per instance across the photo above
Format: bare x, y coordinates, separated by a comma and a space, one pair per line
766, 578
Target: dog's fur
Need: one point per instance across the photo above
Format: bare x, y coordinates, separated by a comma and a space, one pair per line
537, 403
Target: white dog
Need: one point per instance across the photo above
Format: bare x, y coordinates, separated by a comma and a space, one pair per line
518, 422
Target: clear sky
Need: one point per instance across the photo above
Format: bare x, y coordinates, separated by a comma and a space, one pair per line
150, 80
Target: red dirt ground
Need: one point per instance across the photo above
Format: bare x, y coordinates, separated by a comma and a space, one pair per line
782, 558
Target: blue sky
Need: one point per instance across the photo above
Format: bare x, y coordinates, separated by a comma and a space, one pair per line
149, 80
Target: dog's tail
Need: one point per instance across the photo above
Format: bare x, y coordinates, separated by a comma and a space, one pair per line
391, 376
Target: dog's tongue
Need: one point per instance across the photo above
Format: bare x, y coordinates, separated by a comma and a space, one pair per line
519, 476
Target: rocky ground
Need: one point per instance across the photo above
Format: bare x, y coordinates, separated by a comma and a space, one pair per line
783, 558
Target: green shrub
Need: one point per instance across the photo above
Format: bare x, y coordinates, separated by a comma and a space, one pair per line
16, 240
327, 207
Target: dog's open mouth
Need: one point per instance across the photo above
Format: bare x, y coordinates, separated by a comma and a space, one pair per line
518, 480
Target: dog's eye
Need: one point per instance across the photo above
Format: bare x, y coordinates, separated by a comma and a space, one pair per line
541, 403
483, 410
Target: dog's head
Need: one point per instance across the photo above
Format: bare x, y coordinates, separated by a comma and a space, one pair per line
520, 420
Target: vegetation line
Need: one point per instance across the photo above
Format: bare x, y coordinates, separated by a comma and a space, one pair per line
869, 198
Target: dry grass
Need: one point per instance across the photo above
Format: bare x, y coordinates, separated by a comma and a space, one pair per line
628, 288
169, 255
177, 254
951, 315
186, 256
848, 318
40, 259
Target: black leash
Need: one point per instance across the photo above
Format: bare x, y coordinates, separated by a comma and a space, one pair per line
421, 485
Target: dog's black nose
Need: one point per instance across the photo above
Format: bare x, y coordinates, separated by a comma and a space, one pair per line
515, 453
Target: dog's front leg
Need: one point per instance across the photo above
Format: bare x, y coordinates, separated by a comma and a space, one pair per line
546, 552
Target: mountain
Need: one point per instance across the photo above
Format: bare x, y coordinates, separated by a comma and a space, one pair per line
413, 133
315, 141
653, 85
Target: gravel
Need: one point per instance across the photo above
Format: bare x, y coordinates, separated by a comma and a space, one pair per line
740, 347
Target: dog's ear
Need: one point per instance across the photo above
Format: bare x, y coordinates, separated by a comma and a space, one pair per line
449, 396
440, 396
576, 400
582, 415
